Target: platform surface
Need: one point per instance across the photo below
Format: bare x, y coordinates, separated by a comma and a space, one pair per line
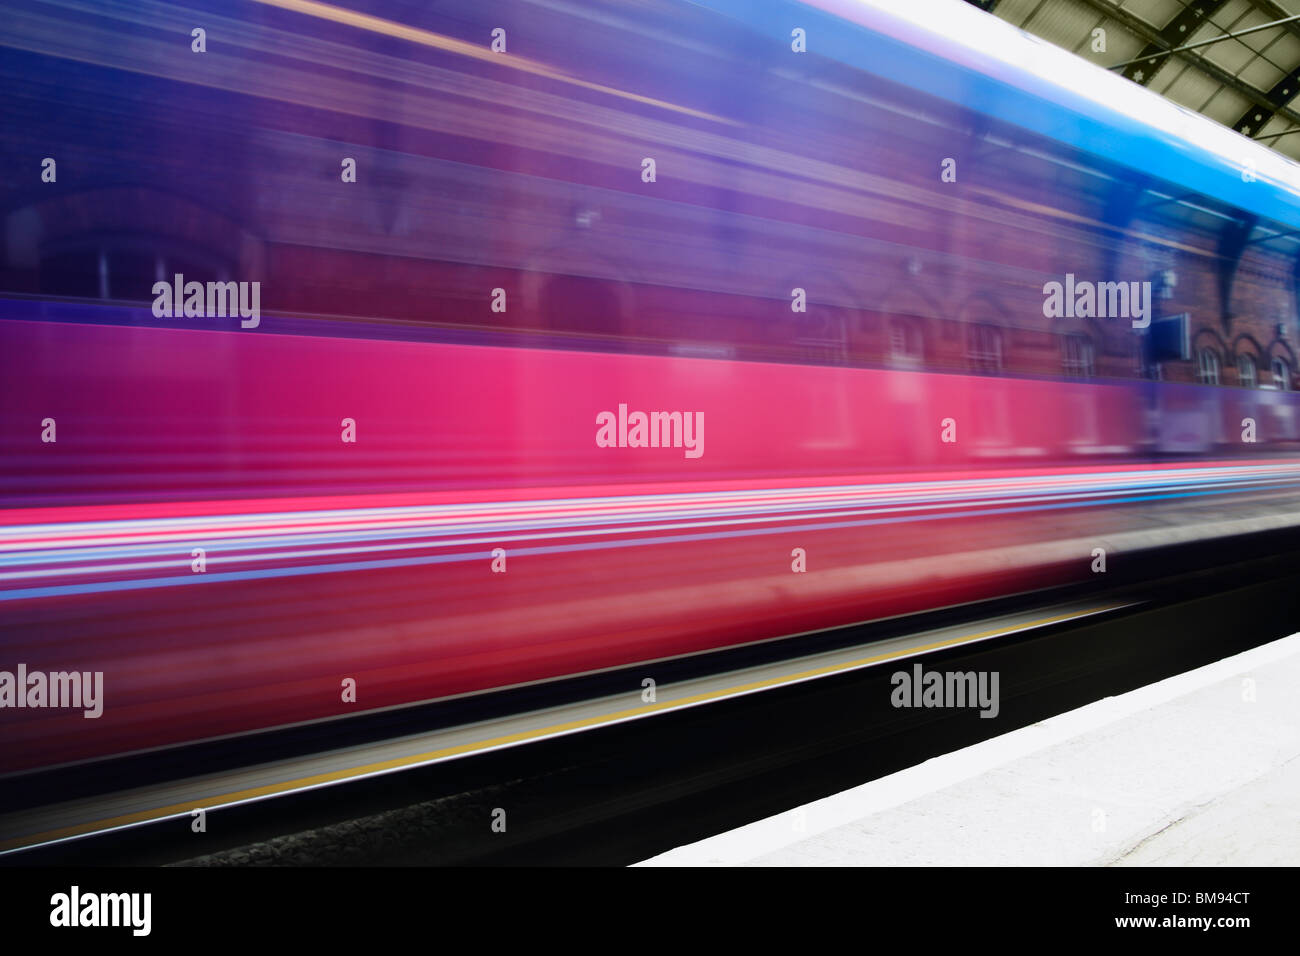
1200, 769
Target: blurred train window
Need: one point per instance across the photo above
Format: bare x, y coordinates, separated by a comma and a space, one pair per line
984, 348
1207, 367
906, 344
74, 274
123, 270
1078, 359
131, 273
1247, 373
1282, 374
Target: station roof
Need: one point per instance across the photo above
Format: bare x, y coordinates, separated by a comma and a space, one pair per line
1235, 61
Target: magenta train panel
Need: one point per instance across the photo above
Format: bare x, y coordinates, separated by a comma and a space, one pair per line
594, 558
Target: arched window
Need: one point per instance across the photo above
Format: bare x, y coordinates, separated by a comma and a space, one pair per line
123, 267
1207, 367
1281, 374
906, 346
984, 348
1077, 358
1247, 371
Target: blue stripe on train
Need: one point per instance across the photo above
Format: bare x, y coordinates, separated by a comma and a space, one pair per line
1067, 116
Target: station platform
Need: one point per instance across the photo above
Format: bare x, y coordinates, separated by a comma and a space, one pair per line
1201, 769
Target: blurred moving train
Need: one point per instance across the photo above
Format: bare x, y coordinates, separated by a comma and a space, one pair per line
590, 335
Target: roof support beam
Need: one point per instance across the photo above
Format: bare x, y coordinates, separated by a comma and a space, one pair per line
1285, 90
1142, 29
1207, 42
1162, 44
1274, 11
1252, 121
1275, 136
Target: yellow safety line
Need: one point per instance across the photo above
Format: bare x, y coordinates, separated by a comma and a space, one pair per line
431, 756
